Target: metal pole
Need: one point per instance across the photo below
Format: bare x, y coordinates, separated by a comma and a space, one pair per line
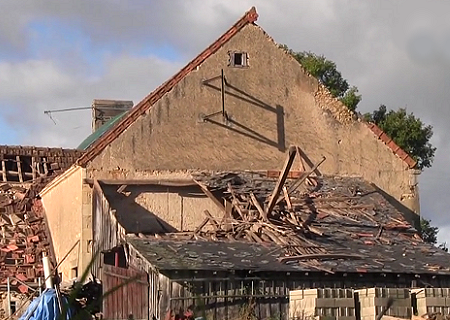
40, 285
9, 297
222, 90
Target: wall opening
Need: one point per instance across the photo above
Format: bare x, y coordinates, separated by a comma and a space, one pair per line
238, 59
115, 257
74, 273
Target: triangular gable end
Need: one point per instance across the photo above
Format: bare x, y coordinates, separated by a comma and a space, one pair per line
143, 106
249, 17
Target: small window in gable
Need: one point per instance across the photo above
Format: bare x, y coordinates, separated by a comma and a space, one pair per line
238, 59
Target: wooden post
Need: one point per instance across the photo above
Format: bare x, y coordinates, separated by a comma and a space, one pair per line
19, 168
4, 171
44, 161
33, 167
281, 180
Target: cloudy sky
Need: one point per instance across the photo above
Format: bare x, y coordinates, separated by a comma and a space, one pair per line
63, 54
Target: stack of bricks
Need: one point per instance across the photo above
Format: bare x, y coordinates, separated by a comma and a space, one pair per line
24, 237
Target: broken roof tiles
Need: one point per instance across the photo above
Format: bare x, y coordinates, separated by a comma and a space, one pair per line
337, 224
24, 236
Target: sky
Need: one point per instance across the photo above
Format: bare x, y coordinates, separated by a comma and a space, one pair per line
58, 54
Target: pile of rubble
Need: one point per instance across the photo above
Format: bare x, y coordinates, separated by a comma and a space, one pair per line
23, 237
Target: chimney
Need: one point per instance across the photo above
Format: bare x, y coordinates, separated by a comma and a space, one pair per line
105, 110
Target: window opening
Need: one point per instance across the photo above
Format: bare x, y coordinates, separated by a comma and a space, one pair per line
238, 59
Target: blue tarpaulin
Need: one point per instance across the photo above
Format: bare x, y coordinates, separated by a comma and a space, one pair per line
45, 307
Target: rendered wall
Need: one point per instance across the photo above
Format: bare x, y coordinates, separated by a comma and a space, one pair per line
64, 205
272, 104
176, 208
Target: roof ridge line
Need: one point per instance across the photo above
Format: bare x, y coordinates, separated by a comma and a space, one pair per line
108, 137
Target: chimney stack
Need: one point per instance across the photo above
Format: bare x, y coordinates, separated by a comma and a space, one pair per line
105, 110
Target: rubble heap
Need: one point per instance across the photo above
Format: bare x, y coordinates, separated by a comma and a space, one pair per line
23, 237
321, 223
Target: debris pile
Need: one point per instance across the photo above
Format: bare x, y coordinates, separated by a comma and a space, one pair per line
322, 223
23, 236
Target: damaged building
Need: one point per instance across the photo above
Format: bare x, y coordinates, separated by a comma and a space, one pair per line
239, 179
25, 236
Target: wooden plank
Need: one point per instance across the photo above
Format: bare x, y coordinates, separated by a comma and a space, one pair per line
258, 206
4, 171
44, 161
212, 220
281, 180
212, 197
150, 181
33, 168
287, 199
302, 166
305, 176
321, 256
228, 217
19, 168
201, 225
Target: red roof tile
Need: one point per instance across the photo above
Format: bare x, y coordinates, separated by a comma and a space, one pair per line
392, 145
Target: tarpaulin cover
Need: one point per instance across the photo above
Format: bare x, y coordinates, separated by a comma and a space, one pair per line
45, 307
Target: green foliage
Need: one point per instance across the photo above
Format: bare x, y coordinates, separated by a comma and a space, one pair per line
326, 72
427, 231
407, 131
351, 98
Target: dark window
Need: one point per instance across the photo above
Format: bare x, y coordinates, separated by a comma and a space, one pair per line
238, 59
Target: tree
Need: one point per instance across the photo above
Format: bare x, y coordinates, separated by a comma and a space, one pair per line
407, 131
428, 232
326, 72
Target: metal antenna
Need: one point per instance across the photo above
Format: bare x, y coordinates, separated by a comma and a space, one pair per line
49, 112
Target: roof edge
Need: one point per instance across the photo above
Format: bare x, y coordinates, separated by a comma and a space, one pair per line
399, 152
381, 135
108, 137
55, 182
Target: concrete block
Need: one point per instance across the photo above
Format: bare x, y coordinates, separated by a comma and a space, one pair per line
373, 301
432, 300
322, 303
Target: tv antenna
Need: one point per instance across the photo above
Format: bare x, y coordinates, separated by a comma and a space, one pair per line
49, 112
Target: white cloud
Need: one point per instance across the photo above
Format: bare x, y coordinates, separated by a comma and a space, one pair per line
30, 87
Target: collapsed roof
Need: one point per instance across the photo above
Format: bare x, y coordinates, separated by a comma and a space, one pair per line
336, 224
288, 221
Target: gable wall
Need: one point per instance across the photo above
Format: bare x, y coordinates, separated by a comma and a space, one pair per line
68, 212
287, 107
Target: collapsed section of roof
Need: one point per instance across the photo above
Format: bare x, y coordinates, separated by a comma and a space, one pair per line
330, 224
